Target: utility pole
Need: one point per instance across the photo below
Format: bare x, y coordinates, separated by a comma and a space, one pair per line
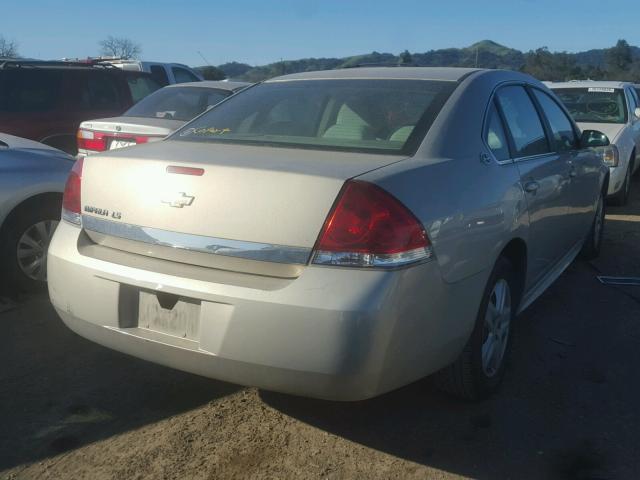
477, 48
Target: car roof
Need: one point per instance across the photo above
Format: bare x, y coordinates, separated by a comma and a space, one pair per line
220, 85
451, 74
588, 84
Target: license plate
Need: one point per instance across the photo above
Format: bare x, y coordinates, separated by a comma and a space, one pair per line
180, 319
115, 144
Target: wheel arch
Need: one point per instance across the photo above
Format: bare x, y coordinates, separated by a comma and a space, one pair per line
33, 201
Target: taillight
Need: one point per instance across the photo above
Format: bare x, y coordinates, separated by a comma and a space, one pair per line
90, 140
71, 202
368, 227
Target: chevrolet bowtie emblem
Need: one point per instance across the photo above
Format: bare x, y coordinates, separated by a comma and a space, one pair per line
178, 201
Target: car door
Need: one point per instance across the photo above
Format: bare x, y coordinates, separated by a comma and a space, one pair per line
583, 163
544, 177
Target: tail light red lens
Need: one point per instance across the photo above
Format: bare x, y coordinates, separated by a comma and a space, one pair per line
90, 140
368, 227
71, 201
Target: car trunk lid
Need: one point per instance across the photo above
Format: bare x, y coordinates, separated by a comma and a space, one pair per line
238, 208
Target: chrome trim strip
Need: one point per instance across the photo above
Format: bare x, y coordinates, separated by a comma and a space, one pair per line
198, 243
372, 260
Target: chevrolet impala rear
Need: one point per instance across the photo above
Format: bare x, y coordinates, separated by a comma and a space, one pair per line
302, 237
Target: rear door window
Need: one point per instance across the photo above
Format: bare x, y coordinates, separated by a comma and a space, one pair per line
182, 75
99, 91
36, 90
495, 136
523, 122
564, 137
159, 74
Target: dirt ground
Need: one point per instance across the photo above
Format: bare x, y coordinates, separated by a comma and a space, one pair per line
568, 408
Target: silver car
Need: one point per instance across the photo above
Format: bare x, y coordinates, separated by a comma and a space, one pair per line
334, 234
32, 179
154, 117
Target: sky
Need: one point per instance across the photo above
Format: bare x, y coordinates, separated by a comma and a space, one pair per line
259, 32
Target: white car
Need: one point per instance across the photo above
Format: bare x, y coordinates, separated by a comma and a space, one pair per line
612, 108
163, 73
154, 117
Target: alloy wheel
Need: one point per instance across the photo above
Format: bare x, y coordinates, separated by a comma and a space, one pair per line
496, 328
32, 249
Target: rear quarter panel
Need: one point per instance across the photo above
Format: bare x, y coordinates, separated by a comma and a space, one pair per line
26, 175
470, 209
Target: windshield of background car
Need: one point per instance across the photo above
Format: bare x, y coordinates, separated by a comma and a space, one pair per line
594, 104
378, 116
177, 103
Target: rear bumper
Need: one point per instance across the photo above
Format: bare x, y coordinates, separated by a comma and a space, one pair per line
342, 334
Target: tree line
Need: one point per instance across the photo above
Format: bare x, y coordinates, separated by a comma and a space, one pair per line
620, 62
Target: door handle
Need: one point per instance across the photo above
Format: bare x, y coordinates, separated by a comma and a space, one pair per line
531, 187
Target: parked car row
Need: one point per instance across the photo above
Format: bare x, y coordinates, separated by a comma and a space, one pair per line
154, 117
33, 175
337, 234
46, 101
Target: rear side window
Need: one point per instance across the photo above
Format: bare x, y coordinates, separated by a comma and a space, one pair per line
100, 92
159, 74
36, 90
523, 122
183, 75
564, 137
140, 86
495, 136
177, 103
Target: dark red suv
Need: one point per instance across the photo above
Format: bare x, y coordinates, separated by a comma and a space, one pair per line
46, 101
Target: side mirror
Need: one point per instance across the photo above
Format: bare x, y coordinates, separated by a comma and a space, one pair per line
593, 138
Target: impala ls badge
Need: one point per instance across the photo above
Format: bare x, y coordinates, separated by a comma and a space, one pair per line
178, 201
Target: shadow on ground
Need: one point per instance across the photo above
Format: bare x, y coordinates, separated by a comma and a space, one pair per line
59, 391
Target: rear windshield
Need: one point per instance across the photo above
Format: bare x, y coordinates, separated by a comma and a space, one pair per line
378, 116
140, 86
177, 103
594, 104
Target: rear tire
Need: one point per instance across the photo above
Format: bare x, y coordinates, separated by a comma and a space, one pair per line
593, 242
479, 369
23, 251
